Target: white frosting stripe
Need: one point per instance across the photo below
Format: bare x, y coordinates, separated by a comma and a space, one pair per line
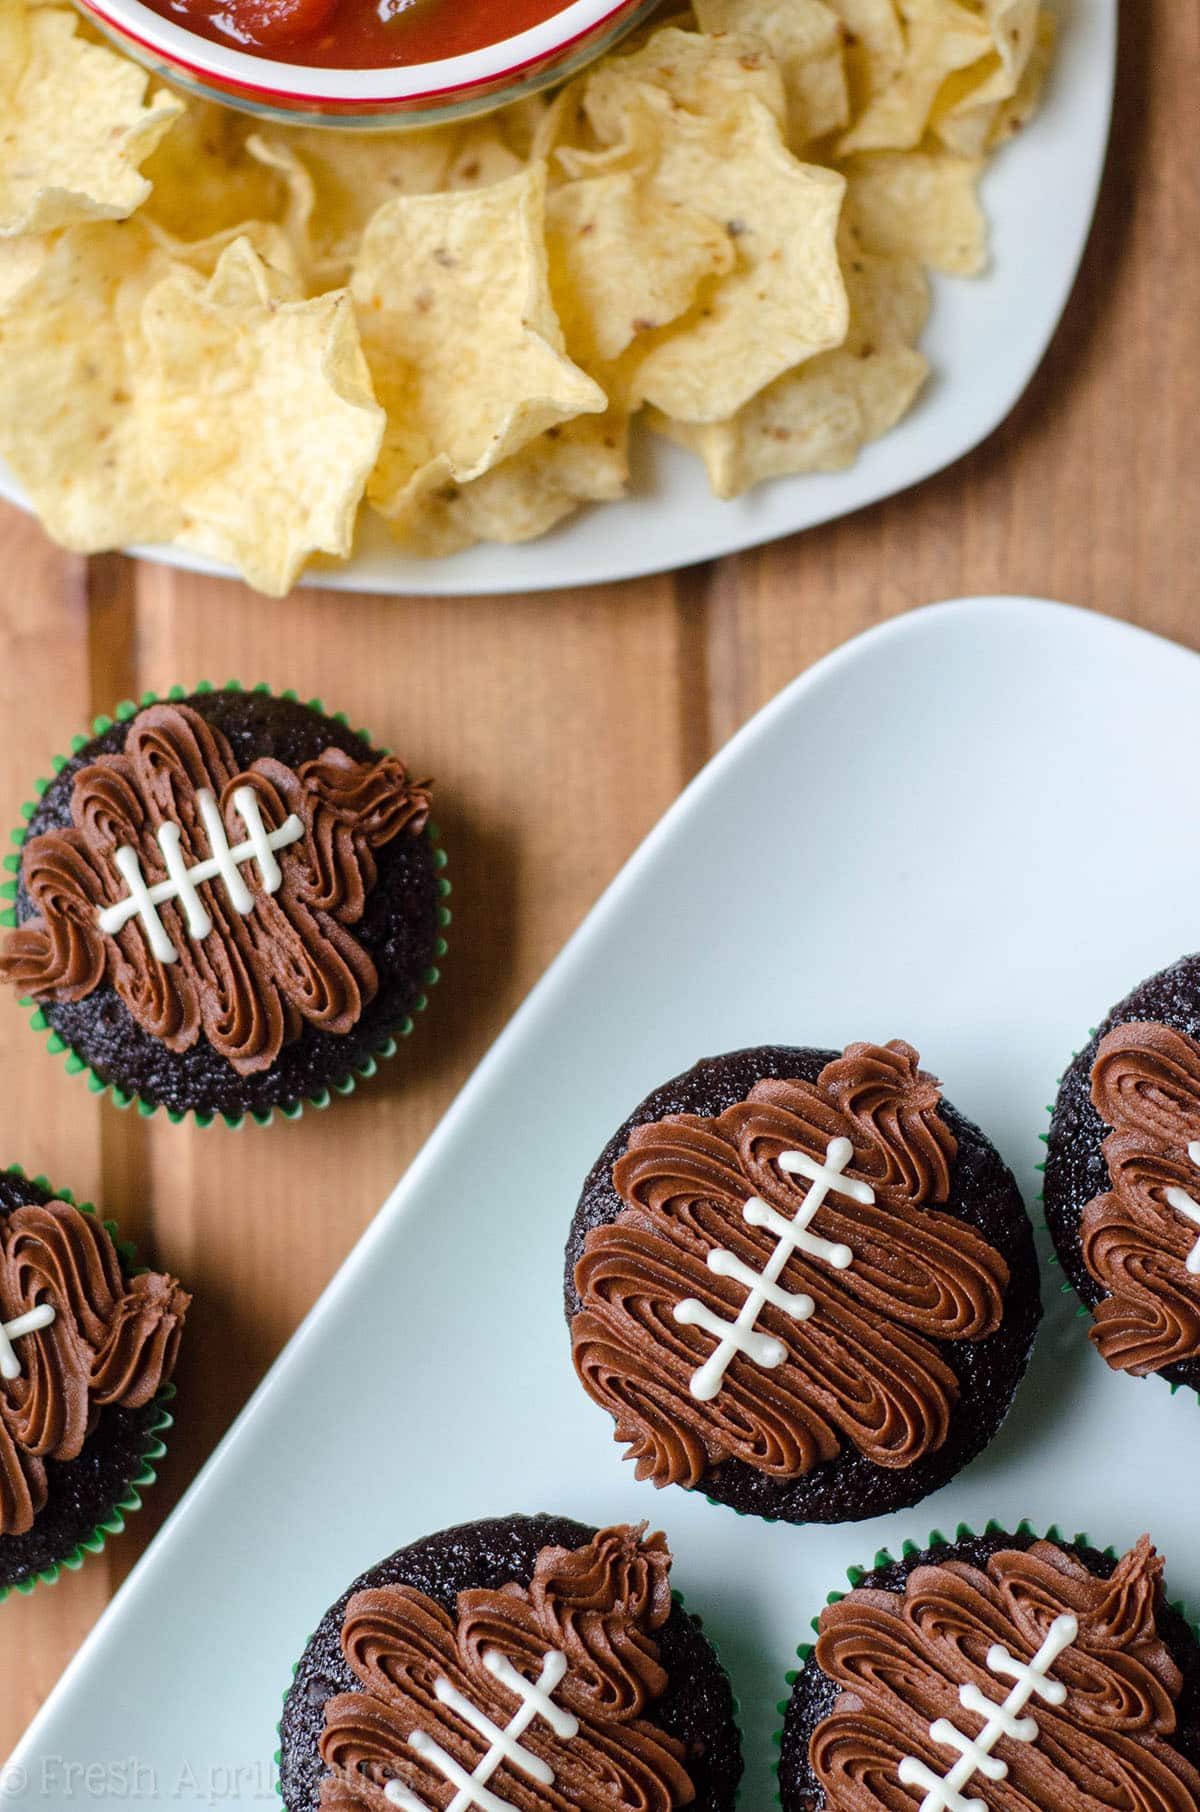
741, 1336
245, 803
944, 1793
199, 923
223, 864
504, 1745
1182, 1202
28, 1323
227, 870
536, 1693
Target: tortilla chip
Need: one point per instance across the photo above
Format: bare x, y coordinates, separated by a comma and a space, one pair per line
967, 107
520, 123
706, 76
269, 241
204, 180
142, 399
583, 461
625, 261
874, 47
919, 203
75, 124
784, 300
259, 416
482, 156
68, 423
14, 40
807, 40
461, 336
565, 122
20, 261
1014, 28
337, 180
941, 37
889, 298
818, 417
1016, 113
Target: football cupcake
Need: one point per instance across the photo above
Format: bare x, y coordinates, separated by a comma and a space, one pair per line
225, 904
1000, 1673
1122, 1191
87, 1346
524, 1663
802, 1283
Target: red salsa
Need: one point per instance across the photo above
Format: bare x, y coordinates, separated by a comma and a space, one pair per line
357, 34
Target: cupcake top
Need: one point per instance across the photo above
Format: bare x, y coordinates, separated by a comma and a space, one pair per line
1123, 1178
1141, 1238
79, 1339
203, 880
786, 1282
537, 1664
1009, 1674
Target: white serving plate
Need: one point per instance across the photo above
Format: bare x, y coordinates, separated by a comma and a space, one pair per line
985, 339
963, 829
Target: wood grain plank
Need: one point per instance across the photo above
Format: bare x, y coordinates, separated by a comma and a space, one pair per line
51, 1123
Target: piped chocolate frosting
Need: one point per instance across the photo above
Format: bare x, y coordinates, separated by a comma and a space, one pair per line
894, 1277
249, 982
568, 1669
1096, 1733
1139, 1239
112, 1340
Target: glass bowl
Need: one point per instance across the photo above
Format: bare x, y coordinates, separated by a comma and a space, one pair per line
418, 94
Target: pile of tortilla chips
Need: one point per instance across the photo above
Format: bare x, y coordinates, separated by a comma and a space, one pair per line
233, 339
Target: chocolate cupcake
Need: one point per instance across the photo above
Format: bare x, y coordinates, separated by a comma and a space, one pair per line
1122, 1190
226, 903
802, 1283
87, 1347
526, 1662
1001, 1672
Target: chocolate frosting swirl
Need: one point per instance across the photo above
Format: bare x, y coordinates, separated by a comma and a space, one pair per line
1146, 1086
599, 1606
900, 1660
113, 1340
866, 1367
251, 985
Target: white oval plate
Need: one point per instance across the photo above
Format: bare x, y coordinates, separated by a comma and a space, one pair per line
985, 339
926, 836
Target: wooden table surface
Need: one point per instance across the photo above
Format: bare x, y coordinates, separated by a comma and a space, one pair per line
559, 729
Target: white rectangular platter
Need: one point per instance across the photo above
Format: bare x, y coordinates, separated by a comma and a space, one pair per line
972, 828
985, 339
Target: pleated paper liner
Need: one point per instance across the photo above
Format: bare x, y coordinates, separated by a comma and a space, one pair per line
122, 1098
156, 1417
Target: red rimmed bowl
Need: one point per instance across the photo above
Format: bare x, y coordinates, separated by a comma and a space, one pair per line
414, 94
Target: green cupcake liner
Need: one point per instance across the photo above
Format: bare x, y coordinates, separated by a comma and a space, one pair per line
751, 1516
121, 1098
277, 1757
159, 1420
963, 1532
